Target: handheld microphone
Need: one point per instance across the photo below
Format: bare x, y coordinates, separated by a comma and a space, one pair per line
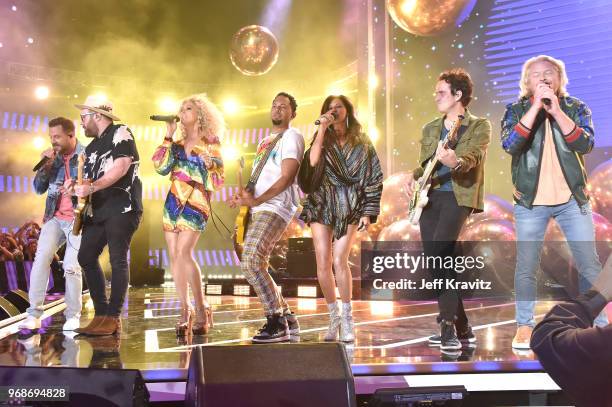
318, 121
165, 118
42, 162
546, 101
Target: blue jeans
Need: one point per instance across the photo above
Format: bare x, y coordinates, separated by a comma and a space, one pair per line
577, 225
53, 234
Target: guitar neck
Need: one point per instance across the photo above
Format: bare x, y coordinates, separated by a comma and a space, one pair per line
239, 178
239, 170
450, 137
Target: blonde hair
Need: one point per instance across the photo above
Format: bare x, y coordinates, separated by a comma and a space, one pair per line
211, 123
559, 67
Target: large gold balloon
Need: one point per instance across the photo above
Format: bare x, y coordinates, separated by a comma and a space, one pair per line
429, 17
494, 208
395, 201
600, 189
355, 254
493, 240
557, 258
254, 50
400, 231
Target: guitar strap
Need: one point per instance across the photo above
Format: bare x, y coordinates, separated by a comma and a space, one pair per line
260, 165
439, 180
250, 185
460, 133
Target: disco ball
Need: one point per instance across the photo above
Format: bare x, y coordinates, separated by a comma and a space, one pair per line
254, 50
429, 17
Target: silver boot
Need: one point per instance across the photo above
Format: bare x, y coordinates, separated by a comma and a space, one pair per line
347, 326
334, 322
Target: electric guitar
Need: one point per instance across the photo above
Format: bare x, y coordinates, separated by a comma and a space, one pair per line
419, 196
83, 203
242, 220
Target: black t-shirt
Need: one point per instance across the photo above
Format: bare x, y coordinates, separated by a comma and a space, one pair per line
125, 195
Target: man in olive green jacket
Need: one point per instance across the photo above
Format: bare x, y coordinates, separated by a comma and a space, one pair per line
457, 191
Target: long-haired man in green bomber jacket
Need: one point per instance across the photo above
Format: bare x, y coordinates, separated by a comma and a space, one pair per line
547, 132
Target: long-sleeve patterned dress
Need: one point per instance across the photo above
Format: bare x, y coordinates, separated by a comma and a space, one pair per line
187, 205
350, 189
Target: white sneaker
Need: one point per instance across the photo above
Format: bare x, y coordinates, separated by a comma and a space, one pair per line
30, 323
71, 324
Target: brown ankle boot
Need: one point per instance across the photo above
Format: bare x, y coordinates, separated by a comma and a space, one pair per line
109, 326
92, 324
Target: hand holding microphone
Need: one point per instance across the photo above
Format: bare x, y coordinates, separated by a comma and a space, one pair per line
171, 121
45, 157
327, 118
544, 88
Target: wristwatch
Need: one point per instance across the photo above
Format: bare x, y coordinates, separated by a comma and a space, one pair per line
459, 164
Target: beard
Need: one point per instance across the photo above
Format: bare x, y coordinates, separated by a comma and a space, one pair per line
277, 122
90, 131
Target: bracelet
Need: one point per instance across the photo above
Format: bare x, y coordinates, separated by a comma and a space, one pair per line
168, 139
525, 127
573, 130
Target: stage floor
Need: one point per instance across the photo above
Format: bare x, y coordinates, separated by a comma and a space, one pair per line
391, 337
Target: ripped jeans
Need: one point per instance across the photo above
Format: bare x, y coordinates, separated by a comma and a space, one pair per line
53, 234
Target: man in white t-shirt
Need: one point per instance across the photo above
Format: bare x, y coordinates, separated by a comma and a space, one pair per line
273, 204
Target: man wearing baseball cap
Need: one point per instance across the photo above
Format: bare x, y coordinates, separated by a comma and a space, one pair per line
116, 209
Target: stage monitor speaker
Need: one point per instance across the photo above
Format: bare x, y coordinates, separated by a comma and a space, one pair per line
296, 375
301, 261
152, 277
19, 299
85, 386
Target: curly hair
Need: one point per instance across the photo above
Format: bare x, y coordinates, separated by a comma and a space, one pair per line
211, 123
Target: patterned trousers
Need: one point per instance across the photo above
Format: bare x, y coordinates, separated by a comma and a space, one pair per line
265, 229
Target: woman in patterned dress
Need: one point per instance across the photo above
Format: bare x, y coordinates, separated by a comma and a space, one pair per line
347, 201
196, 169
